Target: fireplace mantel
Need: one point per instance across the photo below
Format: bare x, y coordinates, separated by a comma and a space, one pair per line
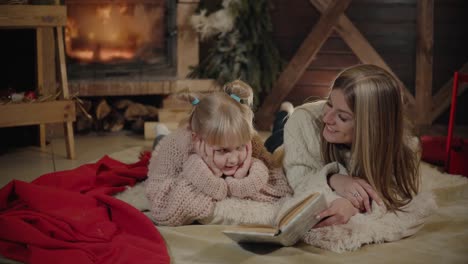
162, 87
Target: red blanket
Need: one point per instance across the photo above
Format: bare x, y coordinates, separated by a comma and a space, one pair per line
69, 217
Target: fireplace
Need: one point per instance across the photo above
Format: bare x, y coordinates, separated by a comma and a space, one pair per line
130, 47
112, 40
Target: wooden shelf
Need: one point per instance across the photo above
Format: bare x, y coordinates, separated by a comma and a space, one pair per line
23, 114
120, 88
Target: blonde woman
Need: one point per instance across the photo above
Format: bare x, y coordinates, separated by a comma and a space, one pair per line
360, 128
215, 155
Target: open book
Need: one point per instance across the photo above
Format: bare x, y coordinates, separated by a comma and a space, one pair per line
295, 218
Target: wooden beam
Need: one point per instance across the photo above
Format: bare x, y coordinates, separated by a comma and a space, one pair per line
187, 38
62, 65
46, 75
424, 60
360, 46
301, 60
32, 16
441, 100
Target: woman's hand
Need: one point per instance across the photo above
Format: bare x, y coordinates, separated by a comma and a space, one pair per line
339, 212
356, 190
206, 152
243, 170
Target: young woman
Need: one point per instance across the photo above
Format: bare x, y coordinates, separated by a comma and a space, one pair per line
361, 129
216, 155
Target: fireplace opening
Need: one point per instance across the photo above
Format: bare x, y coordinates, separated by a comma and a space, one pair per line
128, 39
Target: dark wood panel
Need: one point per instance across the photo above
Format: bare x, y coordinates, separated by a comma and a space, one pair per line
406, 45
293, 20
451, 31
385, 2
307, 93
451, 49
295, 26
298, 4
318, 77
335, 44
390, 27
382, 13
446, 12
288, 46
401, 30
333, 61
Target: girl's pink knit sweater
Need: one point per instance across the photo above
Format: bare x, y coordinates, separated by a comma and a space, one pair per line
182, 189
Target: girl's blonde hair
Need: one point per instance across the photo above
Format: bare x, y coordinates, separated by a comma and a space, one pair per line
380, 152
219, 118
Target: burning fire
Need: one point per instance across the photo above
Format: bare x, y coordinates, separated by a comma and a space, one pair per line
113, 32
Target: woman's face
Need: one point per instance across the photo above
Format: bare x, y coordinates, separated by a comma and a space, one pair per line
338, 119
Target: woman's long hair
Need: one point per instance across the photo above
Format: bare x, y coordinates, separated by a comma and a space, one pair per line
380, 152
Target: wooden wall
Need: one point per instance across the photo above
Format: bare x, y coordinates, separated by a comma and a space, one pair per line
450, 50
390, 27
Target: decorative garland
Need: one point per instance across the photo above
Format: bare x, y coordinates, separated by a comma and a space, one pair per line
243, 46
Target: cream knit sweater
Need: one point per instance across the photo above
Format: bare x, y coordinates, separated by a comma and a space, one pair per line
307, 173
182, 189
303, 162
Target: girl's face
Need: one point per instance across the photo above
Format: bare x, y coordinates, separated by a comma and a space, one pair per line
338, 119
229, 159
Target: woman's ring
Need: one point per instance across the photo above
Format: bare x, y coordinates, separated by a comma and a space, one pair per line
356, 194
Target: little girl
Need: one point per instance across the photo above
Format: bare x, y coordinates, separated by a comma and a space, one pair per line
216, 154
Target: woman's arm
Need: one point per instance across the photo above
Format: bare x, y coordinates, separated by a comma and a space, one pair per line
359, 192
303, 163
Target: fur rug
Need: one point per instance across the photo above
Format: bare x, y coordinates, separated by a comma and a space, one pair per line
359, 230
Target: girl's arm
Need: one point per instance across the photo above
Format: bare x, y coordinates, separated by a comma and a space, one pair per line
167, 161
251, 184
202, 178
173, 199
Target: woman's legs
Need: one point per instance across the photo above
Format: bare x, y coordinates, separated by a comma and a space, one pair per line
161, 131
276, 139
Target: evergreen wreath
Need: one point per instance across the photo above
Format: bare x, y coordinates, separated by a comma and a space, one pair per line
243, 47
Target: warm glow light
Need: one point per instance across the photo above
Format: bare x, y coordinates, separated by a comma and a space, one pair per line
85, 55
107, 55
111, 32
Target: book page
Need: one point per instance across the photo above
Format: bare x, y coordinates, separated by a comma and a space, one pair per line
291, 213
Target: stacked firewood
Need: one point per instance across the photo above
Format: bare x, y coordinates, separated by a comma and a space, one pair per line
102, 116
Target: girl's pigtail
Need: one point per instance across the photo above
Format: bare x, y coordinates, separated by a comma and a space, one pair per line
191, 98
239, 89
194, 100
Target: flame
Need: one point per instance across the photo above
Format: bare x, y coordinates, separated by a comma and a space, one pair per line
111, 32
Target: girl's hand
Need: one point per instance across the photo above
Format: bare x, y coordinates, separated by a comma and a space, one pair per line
356, 190
243, 170
206, 152
339, 212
